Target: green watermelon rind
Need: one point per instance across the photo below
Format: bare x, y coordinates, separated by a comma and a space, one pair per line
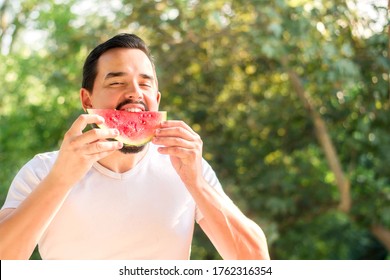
126, 140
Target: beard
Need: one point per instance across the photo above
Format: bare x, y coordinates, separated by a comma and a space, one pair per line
132, 149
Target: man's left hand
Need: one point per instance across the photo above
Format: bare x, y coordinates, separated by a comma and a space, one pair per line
184, 146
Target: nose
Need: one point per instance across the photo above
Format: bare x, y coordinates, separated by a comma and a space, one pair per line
134, 92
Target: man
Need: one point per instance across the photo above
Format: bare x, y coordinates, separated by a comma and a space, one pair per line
96, 199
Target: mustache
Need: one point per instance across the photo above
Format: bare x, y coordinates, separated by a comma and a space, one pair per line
125, 102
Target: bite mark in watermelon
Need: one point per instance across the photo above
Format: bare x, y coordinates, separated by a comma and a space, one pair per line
135, 128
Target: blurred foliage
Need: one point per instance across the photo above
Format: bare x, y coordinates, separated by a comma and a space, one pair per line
220, 69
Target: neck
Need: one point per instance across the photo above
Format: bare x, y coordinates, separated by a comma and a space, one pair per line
119, 162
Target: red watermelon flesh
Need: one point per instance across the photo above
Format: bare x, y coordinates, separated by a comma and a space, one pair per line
135, 128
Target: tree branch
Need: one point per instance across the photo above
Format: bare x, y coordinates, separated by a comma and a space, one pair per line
388, 48
382, 234
3, 20
324, 139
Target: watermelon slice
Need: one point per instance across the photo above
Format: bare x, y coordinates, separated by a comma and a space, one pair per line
135, 128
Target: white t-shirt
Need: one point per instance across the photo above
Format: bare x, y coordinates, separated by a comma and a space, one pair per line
144, 213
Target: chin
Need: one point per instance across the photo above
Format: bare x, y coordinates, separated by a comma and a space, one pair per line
132, 149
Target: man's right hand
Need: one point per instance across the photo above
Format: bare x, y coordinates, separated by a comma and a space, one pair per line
80, 150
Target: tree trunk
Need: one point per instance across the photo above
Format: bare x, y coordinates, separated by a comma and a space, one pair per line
324, 139
382, 234
3, 20
388, 47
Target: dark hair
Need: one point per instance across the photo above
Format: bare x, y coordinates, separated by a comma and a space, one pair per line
123, 40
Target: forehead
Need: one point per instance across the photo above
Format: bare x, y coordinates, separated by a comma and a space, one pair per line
124, 60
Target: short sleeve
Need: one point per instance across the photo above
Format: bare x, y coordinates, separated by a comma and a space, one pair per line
212, 179
26, 180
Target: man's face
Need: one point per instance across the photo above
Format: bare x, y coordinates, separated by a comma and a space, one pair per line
125, 81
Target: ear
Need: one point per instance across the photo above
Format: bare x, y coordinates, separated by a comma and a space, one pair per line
158, 97
85, 98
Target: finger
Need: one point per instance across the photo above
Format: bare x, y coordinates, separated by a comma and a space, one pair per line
83, 120
182, 131
99, 156
94, 135
177, 152
173, 142
101, 147
175, 132
176, 123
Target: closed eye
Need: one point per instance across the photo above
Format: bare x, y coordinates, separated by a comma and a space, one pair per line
145, 85
116, 83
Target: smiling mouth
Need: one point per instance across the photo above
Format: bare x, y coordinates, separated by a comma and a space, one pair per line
133, 110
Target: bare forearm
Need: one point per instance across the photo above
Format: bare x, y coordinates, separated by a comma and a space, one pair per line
232, 233
21, 229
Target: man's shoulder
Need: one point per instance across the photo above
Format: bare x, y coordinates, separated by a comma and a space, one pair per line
46, 158
47, 155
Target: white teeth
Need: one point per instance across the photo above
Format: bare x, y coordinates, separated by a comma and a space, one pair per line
133, 110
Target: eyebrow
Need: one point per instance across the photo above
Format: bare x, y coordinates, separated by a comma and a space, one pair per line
147, 77
114, 74
120, 74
